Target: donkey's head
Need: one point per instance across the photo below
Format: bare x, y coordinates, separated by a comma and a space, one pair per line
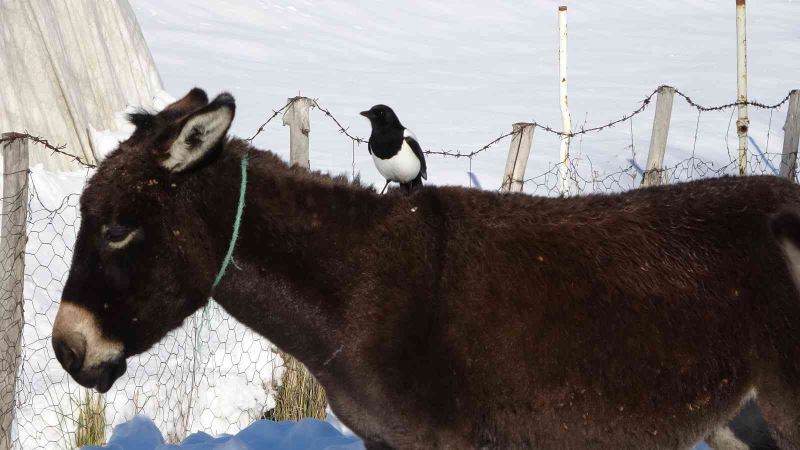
130, 282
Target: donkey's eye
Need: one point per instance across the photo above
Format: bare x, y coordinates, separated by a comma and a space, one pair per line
118, 236
115, 233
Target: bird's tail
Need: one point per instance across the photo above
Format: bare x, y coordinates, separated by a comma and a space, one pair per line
412, 185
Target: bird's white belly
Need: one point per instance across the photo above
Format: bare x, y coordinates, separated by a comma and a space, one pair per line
402, 167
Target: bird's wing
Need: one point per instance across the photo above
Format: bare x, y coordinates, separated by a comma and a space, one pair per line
369, 147
412, 142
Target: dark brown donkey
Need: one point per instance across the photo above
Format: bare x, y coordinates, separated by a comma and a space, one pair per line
450, 318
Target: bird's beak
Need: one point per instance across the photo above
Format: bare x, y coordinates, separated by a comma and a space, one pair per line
366, 114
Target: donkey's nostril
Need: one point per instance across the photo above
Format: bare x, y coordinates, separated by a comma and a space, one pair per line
70, 350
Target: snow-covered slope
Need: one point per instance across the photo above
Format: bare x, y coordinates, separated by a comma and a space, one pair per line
460, 72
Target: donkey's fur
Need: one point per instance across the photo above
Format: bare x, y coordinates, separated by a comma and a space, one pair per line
456, 318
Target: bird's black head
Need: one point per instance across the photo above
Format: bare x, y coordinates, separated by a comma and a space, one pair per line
382, 117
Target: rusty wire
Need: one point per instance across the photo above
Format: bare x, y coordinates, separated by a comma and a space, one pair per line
752, 103
459, 154
275, 113
625, 117
59, 149
344, 130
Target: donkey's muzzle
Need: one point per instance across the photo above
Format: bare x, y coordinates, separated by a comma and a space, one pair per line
70, 349
91, 358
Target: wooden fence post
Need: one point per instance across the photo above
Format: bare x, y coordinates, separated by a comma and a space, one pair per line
743, 122
517, 159
12, 272
306, 398
566, 119
791, 137
653, 174
296, 116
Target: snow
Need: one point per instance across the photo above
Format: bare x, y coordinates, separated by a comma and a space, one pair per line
308, 434
460, 72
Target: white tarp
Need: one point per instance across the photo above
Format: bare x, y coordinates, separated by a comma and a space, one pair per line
67, 65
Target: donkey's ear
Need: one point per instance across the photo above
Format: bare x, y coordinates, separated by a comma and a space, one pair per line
196, 98
200, 134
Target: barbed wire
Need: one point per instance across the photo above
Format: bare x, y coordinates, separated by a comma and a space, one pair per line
459, 154
275, 113
550, 129
357, 140
646, 102
731, 105
344, 130
625, 117
59, 149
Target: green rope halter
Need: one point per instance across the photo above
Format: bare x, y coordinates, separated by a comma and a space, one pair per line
236, 225
237, 222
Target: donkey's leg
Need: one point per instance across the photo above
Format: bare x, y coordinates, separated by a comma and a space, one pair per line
750, 427
747, 431
780, 403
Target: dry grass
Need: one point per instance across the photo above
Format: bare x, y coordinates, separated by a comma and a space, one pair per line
299, 395
91, 426
173, 438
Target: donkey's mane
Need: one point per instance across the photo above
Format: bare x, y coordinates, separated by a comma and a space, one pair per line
276, 165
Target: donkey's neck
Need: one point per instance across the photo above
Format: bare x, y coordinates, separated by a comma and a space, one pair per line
297, 251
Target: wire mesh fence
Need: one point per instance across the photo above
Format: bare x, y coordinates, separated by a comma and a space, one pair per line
214, 374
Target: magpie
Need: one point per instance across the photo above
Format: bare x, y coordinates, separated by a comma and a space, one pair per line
394, 149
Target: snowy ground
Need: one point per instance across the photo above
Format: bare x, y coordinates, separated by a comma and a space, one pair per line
461, 72
458, 73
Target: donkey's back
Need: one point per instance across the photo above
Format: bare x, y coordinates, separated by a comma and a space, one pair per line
636, 320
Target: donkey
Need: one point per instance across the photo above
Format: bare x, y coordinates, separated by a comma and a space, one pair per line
451, 317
